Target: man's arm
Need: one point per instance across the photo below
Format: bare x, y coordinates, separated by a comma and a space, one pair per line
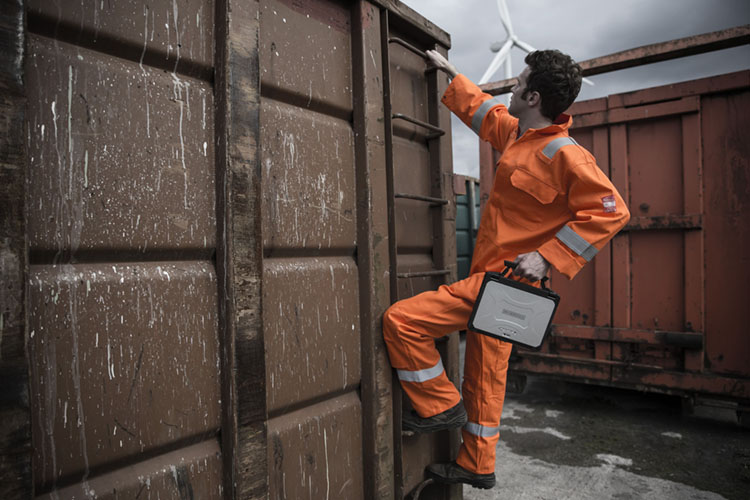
483, 113
441, 63
599, 212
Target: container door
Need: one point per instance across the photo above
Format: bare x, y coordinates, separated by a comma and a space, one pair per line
122, 287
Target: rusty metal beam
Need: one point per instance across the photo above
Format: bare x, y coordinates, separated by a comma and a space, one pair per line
670, 221
648, 54
690, 340
15, 435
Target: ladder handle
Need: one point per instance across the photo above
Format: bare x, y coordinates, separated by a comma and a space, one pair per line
429, 199
407, 46
400, 116
422, 274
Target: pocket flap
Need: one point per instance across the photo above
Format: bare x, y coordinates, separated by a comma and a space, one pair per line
529, 184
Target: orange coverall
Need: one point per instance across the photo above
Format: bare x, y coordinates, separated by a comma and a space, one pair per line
549, 196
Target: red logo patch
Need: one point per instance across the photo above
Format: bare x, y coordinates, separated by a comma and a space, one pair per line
609, 204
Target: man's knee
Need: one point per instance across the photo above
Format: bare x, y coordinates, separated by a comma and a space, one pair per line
392, 318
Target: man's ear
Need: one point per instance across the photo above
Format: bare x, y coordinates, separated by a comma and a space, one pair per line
534, 98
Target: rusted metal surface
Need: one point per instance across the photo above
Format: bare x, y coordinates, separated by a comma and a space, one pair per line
316, 333
105, 182
663, 307
191, 472
372, 250
106, 388
423, 243
311, 283
239, 251
123, 311
169, 35
157, 371
316, 452
726, 164
15, 434
647, 54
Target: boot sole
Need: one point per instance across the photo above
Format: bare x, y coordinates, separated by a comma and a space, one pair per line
458, 422
481, 484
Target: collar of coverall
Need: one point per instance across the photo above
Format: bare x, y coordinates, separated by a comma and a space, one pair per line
562, 123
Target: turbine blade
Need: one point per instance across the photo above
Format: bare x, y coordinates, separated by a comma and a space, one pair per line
496, 62
505, 17
524, 46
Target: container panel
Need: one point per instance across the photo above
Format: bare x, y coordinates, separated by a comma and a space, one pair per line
192, 472
726, 164
124, 359
576, 305
414, 226
178, 31
411, 166
408, 85
305, 52
308, 179
311, 312
408, 287
657, 280
655, 160
120, 157
316, 452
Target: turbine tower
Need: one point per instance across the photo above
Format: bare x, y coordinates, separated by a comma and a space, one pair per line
502, 49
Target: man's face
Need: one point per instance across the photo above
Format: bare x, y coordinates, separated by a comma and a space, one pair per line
517, 103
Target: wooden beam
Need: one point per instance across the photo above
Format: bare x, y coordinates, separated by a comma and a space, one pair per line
648, 54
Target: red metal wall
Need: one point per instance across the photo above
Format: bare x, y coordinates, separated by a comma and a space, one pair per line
664, 306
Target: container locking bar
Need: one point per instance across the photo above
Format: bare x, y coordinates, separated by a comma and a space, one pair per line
437, 131
428, 199
422, 274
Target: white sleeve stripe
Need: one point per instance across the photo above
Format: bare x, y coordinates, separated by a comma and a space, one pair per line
575, 242
478, 118
554, 145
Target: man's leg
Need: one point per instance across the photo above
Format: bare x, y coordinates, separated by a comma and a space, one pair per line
410, 327
485, 371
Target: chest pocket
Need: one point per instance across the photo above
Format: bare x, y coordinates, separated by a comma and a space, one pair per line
528, 204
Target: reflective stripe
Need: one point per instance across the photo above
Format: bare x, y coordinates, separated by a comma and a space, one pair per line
480, 430
421, 375
554, 146
576, 243
478, 118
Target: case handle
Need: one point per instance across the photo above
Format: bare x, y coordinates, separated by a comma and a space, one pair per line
512, 265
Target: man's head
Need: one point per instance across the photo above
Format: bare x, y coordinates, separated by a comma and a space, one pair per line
551, 81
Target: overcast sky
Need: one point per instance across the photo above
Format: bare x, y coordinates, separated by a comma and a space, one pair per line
584, 29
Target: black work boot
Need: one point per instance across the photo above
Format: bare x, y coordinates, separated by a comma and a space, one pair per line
452, 473
450, 418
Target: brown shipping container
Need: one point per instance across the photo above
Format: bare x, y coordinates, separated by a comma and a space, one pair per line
206, 207
664, 306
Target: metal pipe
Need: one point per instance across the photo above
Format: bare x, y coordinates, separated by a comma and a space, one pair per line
407, 46
438, 131
423, 274
429, 199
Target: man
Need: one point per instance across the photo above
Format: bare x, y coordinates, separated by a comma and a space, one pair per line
550, 204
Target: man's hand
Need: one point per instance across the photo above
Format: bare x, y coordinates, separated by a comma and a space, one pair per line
531, 266
441, 62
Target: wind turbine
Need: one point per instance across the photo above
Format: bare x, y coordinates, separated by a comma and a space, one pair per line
503, 49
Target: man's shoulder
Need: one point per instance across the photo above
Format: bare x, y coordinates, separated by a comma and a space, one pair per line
565, 149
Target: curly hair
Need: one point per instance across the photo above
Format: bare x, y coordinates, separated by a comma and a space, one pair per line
557, 78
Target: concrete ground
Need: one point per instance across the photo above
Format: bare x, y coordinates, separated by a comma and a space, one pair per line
572, 441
